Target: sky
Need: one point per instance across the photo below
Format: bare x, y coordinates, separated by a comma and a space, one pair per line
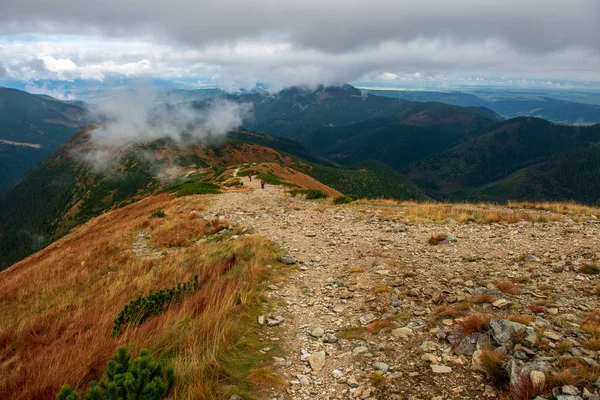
55, 47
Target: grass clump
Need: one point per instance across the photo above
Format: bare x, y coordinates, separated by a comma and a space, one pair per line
310, 194
521, 319
353, 332
437, 238
345, 199
472, 323
271, 179
383, 325
158, 214
590, 269
455, 311
508, 287
483, 298
493, 363
189, 188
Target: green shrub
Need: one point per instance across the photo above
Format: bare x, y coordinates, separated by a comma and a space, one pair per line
271, 179
158, 214
142, 379
310, 194
197, 188
345, 199
145, 307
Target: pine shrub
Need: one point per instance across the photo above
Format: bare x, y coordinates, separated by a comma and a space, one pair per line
144, 307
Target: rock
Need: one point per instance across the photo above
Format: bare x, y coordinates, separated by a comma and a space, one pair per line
597, 383
236, 397
538, 379
382, 367
317, 332
330, 338
346, 294
303, 379
367, 318
551, 335
468, 345
402, 332
570, 390
502, 303
400, 228
359, 350
352, 382
337, 374
428, 346
440, 369
288, 260
317, 361
261, 319
432, 358
503, 330
273, 321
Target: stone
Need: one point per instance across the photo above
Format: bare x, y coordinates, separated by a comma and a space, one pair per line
337, 374
382, 367
440, 369
570, 390
352, 382
468, 345
236, 397
317, 332
538, 379
502, 303
330, 338
402, 332
367, 319
400, 228
359, 350
551, 335
261, 319
503, 330
288, 260
303, 379
317, 361
273, 321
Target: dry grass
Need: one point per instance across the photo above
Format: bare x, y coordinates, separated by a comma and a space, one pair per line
508, 287
563, 347
523, 388
591, 328
590, 269
521, 319
59, 304
563, 377
566, 208
480, 213
455, 311
493, 363
356, 270
483, 298
382, 325
472, 323
592, 344
381, 289
437, 238
353, 332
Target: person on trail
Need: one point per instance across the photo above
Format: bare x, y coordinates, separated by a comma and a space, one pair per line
250, 176
262, 183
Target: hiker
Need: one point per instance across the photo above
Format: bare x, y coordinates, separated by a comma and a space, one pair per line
250, 176
262, 183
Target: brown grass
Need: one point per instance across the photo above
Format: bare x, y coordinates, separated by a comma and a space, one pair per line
472, 323
437, 238
591, 328
592, 344
381, 289
59, 304
483, 298
353, 332
457, 310
563, 377
521, 319
382, 325
523, 388
508, 287
493, 363
590, 269
565, 208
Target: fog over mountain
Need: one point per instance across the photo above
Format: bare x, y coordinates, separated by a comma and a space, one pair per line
283, 43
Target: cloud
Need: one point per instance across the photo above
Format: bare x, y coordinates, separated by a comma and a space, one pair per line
58, 93
285, 42
3, 71
134, 117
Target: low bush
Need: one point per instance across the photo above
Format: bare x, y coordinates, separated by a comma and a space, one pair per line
144, 307
310, 194
590, 269
345, 199
142, 379
437, 238
158, 214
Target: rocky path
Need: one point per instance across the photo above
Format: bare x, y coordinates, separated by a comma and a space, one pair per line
368, 313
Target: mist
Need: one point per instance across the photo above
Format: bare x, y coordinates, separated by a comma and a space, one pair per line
137, 117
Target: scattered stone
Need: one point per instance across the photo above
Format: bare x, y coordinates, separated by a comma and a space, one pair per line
440, 369
261, 319
367, 319
273, 321
402, 332
570, 390
317, 332
317, 361
382, 367
502, 303
288, 260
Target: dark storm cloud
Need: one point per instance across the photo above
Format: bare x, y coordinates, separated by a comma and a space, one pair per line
310, 41
333, 26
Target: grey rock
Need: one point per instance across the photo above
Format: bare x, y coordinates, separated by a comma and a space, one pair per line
503, 330
468, 345
288, 260
440, 369
382, 367
400, 228
235, 397
570, 390
367, 318
317, 332
330, 338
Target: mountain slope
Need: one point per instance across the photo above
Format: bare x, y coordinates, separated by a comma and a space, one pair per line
31, 127
64, 191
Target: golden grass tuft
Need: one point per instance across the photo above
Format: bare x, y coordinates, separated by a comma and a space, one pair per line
381, 325
590, 269
353, 332
437, 238
483, 298
472, 323
508, 287
457, 310
521, 319
494, 364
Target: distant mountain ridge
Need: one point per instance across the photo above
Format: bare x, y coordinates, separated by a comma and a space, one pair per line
41, 121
